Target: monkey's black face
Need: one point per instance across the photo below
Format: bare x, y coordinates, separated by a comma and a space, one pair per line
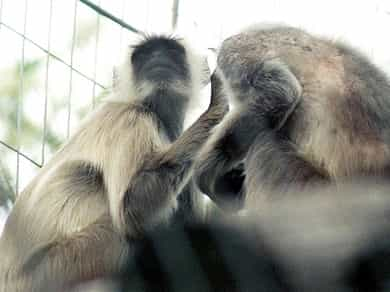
229, 189
160, 59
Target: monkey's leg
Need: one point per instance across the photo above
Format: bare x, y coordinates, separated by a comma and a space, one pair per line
274, 166
95, 251
163, 176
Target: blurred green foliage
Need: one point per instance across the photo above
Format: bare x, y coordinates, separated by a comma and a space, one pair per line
10, 92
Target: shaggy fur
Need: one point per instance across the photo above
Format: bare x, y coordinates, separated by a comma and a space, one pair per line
338, 129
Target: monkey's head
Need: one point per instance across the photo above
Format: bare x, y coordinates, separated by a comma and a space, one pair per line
161, 63
160, 60
256, 75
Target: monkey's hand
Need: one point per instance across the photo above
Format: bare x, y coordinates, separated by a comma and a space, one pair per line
218, 96
277, 91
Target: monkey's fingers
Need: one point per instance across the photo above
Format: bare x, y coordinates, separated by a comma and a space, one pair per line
216, 82
206, 73
218, 95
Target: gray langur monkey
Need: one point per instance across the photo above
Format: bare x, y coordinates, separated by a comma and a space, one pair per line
308, 111
333, 239
116, 178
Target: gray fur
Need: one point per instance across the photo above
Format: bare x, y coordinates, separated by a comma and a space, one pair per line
117, 177
338, 130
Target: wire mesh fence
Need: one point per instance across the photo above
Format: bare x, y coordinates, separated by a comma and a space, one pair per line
57, 59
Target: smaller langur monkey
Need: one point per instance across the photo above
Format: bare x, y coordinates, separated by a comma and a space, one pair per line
117, 177
308, 112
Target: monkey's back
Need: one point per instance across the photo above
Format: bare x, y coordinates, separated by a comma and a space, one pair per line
341, 123
72, 181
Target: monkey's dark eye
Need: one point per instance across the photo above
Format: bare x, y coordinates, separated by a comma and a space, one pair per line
138, 56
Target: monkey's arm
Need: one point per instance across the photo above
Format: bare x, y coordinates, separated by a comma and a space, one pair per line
218, 171
163, 176
267, 94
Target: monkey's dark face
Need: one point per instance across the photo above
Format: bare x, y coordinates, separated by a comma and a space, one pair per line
159, 60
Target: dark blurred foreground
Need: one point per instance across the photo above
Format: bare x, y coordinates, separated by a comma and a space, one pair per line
332, 241
329, 240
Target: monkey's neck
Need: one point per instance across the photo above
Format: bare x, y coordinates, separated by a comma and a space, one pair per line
169, 108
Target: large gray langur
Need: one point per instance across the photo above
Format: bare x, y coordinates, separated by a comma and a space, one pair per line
335, 239
308, 111
116, 178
